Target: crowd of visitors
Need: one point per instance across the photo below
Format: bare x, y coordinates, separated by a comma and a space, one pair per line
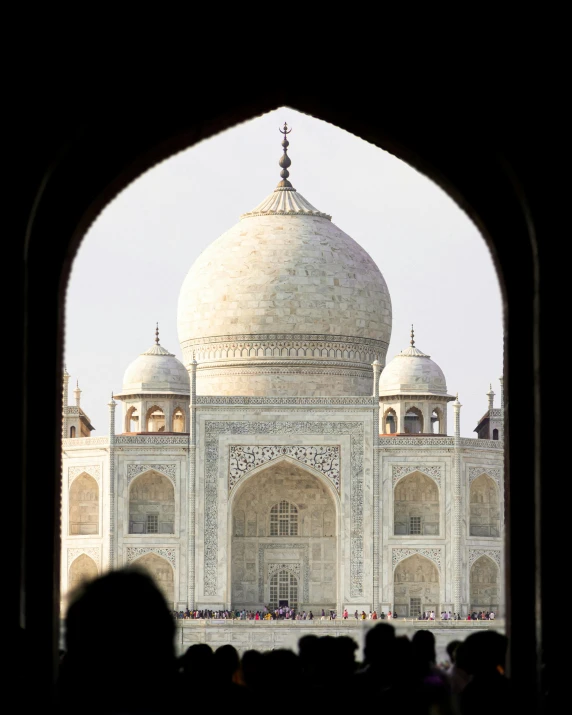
285, 613
134, 666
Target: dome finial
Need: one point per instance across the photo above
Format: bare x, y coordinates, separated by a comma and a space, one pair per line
157, 334
412, 336
285, 161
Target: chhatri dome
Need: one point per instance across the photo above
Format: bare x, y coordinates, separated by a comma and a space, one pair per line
284, 303
412, 372
155, 371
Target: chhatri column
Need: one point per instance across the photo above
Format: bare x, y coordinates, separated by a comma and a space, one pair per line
192, 482
112, 487
456, 510
376, 491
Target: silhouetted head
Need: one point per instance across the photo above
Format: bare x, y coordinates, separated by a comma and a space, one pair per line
226, 662
484, 652
252, 666
118, 629
379, 644
451, 650
197, 661
423, 647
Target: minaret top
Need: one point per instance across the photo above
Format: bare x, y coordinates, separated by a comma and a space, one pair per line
285, 161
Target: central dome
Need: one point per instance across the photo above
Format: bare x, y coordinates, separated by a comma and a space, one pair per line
284, 303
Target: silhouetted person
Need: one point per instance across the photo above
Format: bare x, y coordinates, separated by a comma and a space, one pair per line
120, 655
197, 666
226, 664
488, 689
379, 661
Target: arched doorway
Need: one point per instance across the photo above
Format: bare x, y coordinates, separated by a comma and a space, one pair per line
84, 506
82, 569
152, 504
416, 586
416, 506
485, 585
283, 590
484, 519
161, 572
283, 540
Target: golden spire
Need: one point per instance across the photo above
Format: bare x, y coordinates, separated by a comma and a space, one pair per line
412, 336
157, 334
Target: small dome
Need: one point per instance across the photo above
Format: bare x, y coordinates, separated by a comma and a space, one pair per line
412, 372
156, 371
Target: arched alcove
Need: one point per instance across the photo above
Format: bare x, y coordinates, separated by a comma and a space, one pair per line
283, 516
484, 517
178, 420
84, 506
389, 421
151, 504
485, 585
132, 422
72, 432
81, 570
161, 572
155, 420
437, 421
416, 586
416, 506
413, 421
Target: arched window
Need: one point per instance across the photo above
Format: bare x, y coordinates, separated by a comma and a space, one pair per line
161, 572
390, 421
416, 506
152, 505
72, 431
283, 590
484, 585
484, 518
413, 421
495, 434
132, 420
416, 586
437, 426
83, 569
84, 506
178, 420
284, 519
155, 419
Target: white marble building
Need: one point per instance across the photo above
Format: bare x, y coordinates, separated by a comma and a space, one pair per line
282, 461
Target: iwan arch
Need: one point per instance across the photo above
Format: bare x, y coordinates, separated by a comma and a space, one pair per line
282, 459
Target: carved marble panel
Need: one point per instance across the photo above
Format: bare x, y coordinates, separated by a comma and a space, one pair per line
244, 458
134, 552
94, 470
169, 470
434, 555
475, 554
493, 472
431, 470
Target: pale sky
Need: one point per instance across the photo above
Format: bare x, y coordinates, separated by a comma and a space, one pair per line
132, 262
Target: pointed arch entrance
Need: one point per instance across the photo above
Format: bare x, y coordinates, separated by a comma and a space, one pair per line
81, 570
484, 585
161, 572
416, 586
283, 539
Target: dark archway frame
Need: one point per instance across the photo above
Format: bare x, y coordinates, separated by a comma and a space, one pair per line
76, 168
